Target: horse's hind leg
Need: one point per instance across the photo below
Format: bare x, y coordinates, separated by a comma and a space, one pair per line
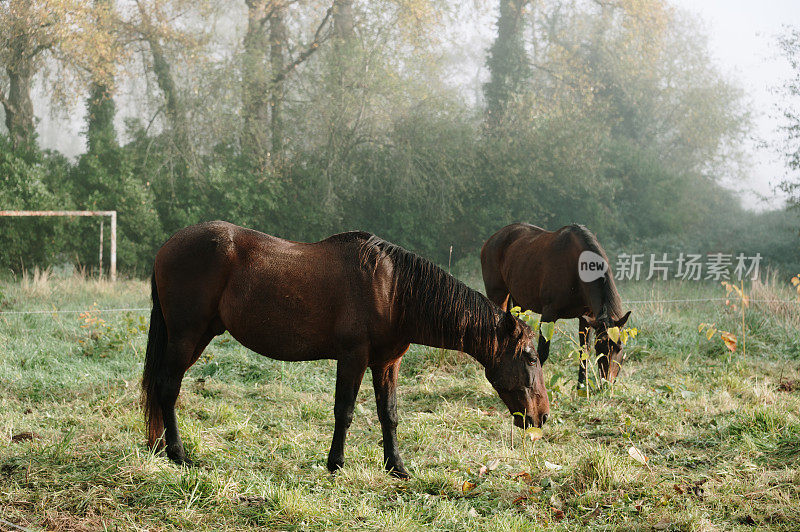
180, 354
384, 380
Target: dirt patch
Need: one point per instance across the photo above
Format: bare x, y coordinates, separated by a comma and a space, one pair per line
24, 436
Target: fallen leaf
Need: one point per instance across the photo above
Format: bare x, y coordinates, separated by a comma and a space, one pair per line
472, 512
482, 471
552, 466
467, 486
491, 466
558, 515
520, 500
524, 476
637, 455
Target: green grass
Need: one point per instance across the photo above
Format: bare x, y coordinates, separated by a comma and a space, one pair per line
722, 437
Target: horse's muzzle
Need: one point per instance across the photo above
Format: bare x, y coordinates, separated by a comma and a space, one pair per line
525, 422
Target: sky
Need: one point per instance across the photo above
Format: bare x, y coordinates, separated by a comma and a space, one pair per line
743, 41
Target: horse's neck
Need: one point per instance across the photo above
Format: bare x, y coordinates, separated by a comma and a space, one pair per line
471, 339
595, 298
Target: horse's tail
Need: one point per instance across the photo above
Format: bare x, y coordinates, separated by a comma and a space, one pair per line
156, 345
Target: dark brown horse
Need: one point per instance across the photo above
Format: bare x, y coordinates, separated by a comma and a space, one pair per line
352, 297
540, 271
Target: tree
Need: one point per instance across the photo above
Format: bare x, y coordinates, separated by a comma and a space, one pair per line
790, 45
255, 83
101, 137
508, 61
31, 31
265, 69
154, 33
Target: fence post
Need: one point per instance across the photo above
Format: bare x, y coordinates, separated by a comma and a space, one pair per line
102, 224
113, 271
112, 214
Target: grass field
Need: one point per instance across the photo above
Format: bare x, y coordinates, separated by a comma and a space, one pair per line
721, 433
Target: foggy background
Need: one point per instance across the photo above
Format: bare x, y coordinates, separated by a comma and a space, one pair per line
661, 125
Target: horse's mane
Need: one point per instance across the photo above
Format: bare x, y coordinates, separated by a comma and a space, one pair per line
434, 302
612, 304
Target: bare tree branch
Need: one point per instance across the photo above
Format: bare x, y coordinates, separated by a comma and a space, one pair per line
4, 102
308, 52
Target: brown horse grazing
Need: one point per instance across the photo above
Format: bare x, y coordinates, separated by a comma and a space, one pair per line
352, 297
539, 271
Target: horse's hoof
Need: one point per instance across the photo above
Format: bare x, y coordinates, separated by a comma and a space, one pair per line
179, 458
333, 467
399, 472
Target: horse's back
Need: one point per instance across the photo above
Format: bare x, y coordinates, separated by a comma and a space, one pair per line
537, 267
286, 299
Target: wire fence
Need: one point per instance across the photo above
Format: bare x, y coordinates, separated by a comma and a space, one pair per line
644, 301
629, 302
57, 311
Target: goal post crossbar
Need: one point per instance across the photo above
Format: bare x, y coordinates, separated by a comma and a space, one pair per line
110, 214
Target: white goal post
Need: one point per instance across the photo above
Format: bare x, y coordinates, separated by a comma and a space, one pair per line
110, 214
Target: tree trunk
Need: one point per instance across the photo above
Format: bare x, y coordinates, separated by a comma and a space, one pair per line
342, 68
343, 23
18, 106
101, 137
255, 84
173, 108
277, 53
508, 61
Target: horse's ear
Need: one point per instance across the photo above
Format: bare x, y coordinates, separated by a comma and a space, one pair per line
593, 323
621, 322
509, 322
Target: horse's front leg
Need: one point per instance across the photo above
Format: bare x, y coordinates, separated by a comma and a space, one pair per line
384, 380
349, 372
583, 336
544, 344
